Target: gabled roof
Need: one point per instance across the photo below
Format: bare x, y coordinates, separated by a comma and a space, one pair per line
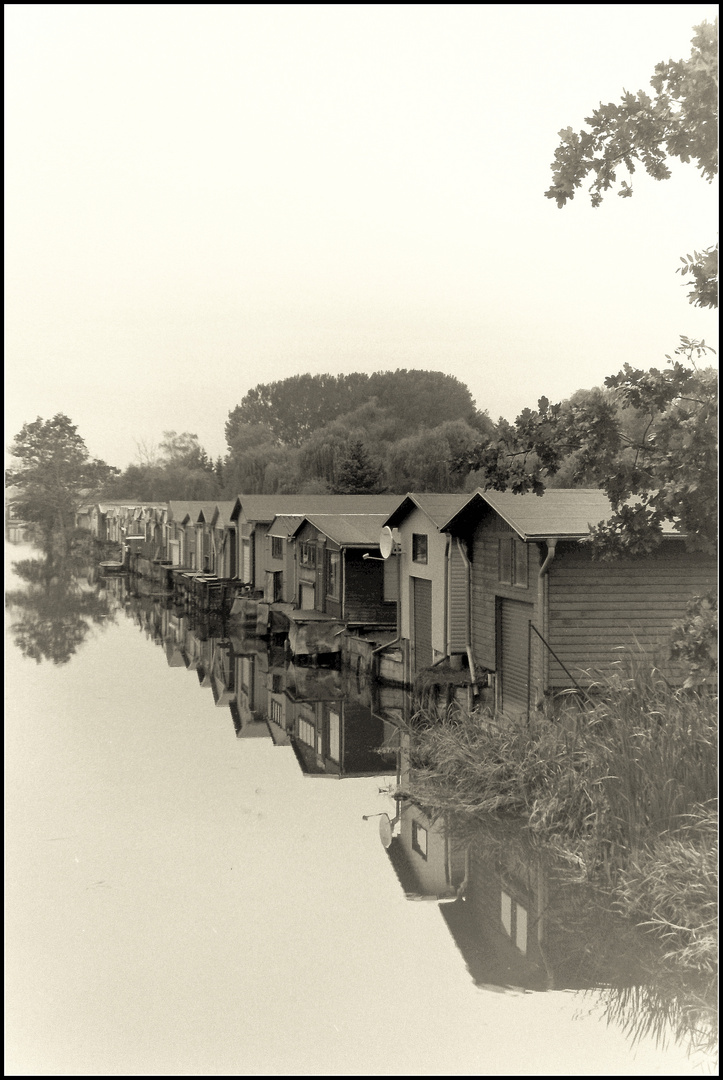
267, 507
348, 530
222, 514
438, 508
180, 510
561, 513
207, 513
285, 525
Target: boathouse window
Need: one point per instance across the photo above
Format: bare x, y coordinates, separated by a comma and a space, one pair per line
520, 567
419, 839
419, 547
307, 554
277, 547
333, 563
504, 559
512, 561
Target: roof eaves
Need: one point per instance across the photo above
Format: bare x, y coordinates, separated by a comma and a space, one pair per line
401, 511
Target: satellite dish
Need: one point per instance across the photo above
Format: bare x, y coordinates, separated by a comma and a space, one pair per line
385, 830
386, 542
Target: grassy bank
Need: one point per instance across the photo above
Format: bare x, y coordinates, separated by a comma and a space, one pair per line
623, 785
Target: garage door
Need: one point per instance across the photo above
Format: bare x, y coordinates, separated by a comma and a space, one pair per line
422, 597
513, 676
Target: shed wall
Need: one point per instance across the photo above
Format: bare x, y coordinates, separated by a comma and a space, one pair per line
598, 609
486, 587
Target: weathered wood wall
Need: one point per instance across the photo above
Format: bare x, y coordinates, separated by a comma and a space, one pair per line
486, 587
599, 609
364, 591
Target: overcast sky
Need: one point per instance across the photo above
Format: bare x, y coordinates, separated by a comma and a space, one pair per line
202, 198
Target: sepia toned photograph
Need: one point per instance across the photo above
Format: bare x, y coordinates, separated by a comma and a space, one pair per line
361, 473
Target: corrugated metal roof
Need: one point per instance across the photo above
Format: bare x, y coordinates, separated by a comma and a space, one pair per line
267, 507
439, 508
559, 512
349, 529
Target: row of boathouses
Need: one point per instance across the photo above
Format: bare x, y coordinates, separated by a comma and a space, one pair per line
493, 591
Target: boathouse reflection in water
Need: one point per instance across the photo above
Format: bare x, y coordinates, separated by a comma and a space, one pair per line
513, 914
330, 717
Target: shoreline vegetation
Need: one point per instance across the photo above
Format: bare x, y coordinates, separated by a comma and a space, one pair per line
621, 786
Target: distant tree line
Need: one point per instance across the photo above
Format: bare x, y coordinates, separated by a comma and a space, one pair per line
389, 431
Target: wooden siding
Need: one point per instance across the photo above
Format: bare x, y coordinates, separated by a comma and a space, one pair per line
458, 601
486, 587
315, 575
596, 610
514, 650
364, 591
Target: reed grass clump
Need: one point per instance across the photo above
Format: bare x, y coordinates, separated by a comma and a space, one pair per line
671, 885
622, 783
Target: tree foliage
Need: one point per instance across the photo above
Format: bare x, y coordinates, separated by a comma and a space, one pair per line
660, 468
54, 473
310, 430
177, 468
425, 461
293, 409
695, 639
184, 451
680, 121
358, 473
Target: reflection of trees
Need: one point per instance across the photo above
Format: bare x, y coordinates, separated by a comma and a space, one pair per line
54, 613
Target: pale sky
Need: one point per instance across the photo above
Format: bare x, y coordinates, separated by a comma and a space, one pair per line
200, 198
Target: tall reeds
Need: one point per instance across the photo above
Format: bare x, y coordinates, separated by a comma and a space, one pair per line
622, 783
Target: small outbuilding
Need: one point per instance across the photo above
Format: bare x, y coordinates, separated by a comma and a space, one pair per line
340, 570
545, 616
433, 581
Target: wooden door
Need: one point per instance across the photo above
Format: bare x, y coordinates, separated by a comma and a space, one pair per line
513, 656
422, 604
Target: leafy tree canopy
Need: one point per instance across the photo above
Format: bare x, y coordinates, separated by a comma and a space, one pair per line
293, 409
424, 461
183, 450
54, 472
662, 467
357, 473
177, 468
679, 121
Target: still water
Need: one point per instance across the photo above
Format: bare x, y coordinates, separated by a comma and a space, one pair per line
192, 890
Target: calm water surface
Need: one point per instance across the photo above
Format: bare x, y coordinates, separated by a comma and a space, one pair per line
187, 895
